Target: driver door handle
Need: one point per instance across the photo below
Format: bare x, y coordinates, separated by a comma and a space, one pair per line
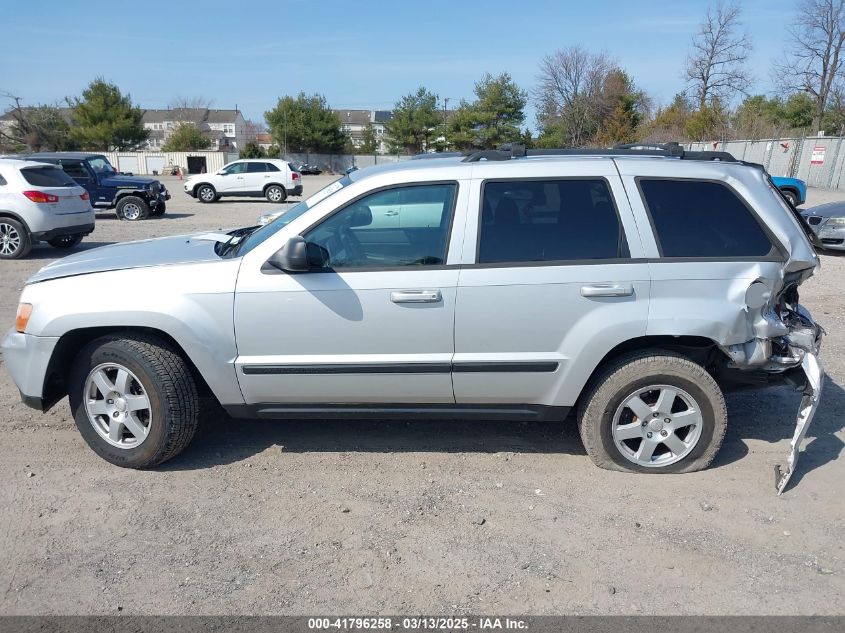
607, 290
415, 296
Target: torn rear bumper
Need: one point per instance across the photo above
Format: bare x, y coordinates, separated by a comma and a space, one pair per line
814, 372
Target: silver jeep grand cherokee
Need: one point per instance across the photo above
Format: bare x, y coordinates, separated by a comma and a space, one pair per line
631, 286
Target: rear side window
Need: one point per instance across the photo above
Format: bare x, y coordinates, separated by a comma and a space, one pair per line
253, 168
47, 177
271, 167
693, 218
76, 170
549, 220
3, 182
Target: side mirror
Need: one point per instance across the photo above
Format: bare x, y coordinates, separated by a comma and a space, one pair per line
361, 216
293, 256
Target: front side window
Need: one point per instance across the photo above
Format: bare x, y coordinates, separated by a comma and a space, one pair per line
549, 220
404, 226
234, 168
254, 168
694, 218
100, 165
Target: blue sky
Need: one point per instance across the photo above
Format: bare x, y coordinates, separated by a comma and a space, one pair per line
358, 54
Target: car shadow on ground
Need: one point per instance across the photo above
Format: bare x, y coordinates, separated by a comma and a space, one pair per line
167, 216
45, 251
767, 415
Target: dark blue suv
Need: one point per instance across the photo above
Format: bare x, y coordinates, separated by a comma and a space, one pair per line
132, 197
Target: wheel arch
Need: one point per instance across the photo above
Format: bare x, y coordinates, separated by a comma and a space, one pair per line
699, 349
69, 344
122, 193
5, 213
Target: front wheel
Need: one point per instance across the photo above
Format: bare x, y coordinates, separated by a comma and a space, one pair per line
791, 196
275, 193
65, 241
653, 412
133, 400
206, 193
132, 208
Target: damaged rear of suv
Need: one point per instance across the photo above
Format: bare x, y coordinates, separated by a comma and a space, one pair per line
629, 286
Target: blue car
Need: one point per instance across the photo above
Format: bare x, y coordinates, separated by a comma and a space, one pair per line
132, 197
793, 189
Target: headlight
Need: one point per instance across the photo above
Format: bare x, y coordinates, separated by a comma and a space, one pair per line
836, 222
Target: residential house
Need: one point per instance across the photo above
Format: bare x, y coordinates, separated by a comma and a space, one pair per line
226, 129
353, 123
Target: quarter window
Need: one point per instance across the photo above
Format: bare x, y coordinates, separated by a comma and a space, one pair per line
549, 220
693, 218
407, 226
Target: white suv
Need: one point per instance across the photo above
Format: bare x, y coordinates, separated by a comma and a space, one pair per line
267, 177
40, 203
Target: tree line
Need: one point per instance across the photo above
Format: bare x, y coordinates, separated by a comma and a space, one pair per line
581, 97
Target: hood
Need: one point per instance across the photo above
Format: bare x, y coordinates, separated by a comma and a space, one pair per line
136, 182
164, 251
828, 210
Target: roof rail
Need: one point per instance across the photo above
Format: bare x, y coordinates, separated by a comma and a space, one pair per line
670, 150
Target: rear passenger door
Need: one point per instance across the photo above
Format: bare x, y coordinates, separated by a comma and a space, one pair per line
255, 177
553, 279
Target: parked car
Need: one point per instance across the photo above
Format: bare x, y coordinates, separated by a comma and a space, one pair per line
629, 286
132, 197
40, 203
310, 170
270, 178
793, 189
828, 223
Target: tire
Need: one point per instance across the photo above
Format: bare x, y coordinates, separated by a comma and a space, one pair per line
65, 241
158, 210
154, 371
15, 240
206, 194
605, 420
275, 193
132, 208
791, 196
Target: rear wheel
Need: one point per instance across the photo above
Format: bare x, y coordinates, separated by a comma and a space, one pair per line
275, 193
65, 241
133, 400
653, 412
132, 208
206, 193
15, 241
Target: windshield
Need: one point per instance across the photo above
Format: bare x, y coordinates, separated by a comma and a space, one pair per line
100, 165
268, 231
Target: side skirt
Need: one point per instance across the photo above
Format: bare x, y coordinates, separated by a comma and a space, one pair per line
523, 412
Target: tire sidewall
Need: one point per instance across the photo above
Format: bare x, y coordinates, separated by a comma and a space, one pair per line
282, 192
145, 208
202, 188
114, 352
26, 239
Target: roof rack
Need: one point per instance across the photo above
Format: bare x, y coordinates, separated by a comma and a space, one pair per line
670, 150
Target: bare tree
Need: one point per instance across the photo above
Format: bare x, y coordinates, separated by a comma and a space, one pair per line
252, 129
814, 64
34, 128
716, 66
569, 85
188, 109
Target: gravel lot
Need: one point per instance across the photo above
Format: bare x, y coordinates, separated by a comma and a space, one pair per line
422, 517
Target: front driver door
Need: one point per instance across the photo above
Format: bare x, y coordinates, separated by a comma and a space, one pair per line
372, 322
231, 178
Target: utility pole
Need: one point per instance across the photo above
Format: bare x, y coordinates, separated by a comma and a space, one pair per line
285, 155
445, 104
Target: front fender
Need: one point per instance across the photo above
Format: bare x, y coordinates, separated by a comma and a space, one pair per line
191, 303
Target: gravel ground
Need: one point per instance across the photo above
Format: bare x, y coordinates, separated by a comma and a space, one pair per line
422, 517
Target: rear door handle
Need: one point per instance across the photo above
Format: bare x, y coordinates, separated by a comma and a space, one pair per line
607, 290
391, 212
415, 296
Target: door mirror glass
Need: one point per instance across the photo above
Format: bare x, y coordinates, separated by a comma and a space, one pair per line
361, 216
293, 256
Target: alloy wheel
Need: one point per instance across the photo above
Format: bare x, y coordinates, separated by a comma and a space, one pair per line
10, 239
117, 405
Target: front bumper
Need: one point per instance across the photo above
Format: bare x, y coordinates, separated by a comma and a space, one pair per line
76, 229
27, 358
832, 238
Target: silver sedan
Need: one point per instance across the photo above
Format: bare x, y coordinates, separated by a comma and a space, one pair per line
828, 222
